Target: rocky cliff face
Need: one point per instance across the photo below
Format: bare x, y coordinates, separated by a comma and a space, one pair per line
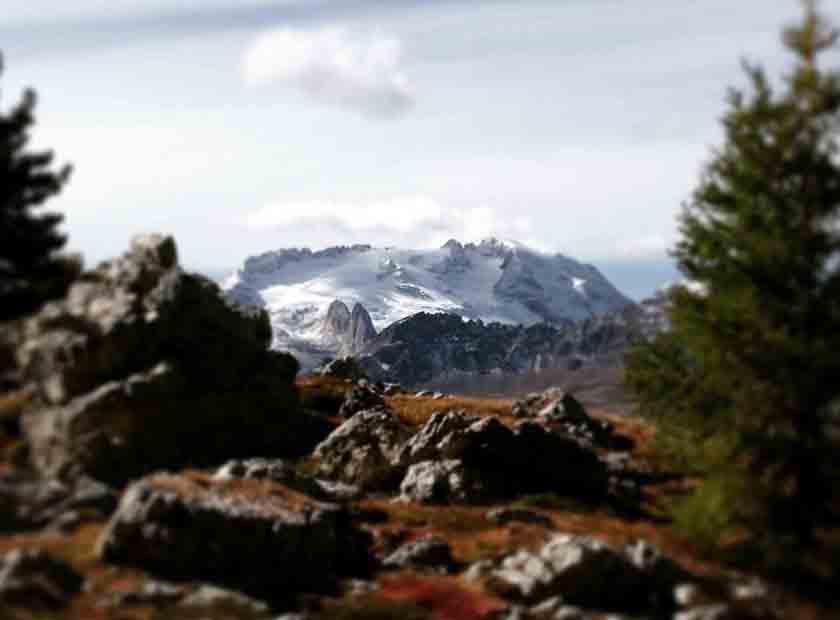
496, 281
345, 333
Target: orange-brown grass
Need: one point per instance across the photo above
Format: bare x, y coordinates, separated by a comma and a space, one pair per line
198, 485
466, 528
444, 598
416, 411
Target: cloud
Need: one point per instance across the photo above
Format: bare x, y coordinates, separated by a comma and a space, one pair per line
333, 66
409, 221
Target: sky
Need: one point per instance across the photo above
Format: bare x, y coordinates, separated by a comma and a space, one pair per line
241, 126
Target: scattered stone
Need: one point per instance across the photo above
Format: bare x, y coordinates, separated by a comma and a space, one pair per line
423, 394
549, 606
344, 368
687, 594
216, 598
749, 590
391, 389
424, 445
30, 502
182, 529
495, 462
427, 552
576, 567
567, 612
517, 515
478, 571
285, 473
707, 612
32, 578
444, 482
364, 451
512, 612
361, 397
152, 593
438, 395
140, 359
567, 415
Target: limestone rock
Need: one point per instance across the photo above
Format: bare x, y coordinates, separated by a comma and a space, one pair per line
29, 502
140, 359
577, 568
448, 481
528, 459
32, 578
362, 396
425, 552
270, 542
364, 450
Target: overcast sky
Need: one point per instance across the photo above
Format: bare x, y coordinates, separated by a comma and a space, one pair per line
577, 126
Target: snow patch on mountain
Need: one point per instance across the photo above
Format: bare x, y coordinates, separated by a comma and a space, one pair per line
492, 280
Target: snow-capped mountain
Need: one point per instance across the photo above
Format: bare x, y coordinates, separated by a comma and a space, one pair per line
492, 280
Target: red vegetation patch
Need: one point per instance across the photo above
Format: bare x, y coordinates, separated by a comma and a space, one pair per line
446, 599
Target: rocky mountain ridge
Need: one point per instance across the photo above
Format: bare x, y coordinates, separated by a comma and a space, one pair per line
434, 348
492, 281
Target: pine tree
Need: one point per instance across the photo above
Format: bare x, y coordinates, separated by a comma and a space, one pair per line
747, 377
30, 270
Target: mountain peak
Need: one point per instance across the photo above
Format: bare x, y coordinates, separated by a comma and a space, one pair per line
493, 280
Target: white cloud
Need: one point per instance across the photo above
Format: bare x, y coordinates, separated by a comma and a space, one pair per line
410, 221
334, 66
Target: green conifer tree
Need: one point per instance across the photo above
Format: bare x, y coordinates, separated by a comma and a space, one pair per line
745, 381
30, 270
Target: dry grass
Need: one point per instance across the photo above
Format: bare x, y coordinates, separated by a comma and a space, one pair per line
416, 411
265, 495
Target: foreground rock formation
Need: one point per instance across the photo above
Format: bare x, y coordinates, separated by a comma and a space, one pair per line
144, 366
185, 528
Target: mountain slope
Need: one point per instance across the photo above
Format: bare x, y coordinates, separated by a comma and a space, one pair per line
435, 348
497, 281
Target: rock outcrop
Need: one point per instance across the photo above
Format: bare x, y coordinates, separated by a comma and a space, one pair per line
259, 537
34, 579
364, 451
143, 366
362, 396
28, 502
577, 568
456, 457
565, 414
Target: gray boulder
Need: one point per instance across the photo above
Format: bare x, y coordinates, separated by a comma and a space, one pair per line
29, 502
32, 578
362, 396
446, 482
212, 599
527, 459
584, 572
427, 552
141, 359
364, 451
708, 612
285, 473
269, 543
